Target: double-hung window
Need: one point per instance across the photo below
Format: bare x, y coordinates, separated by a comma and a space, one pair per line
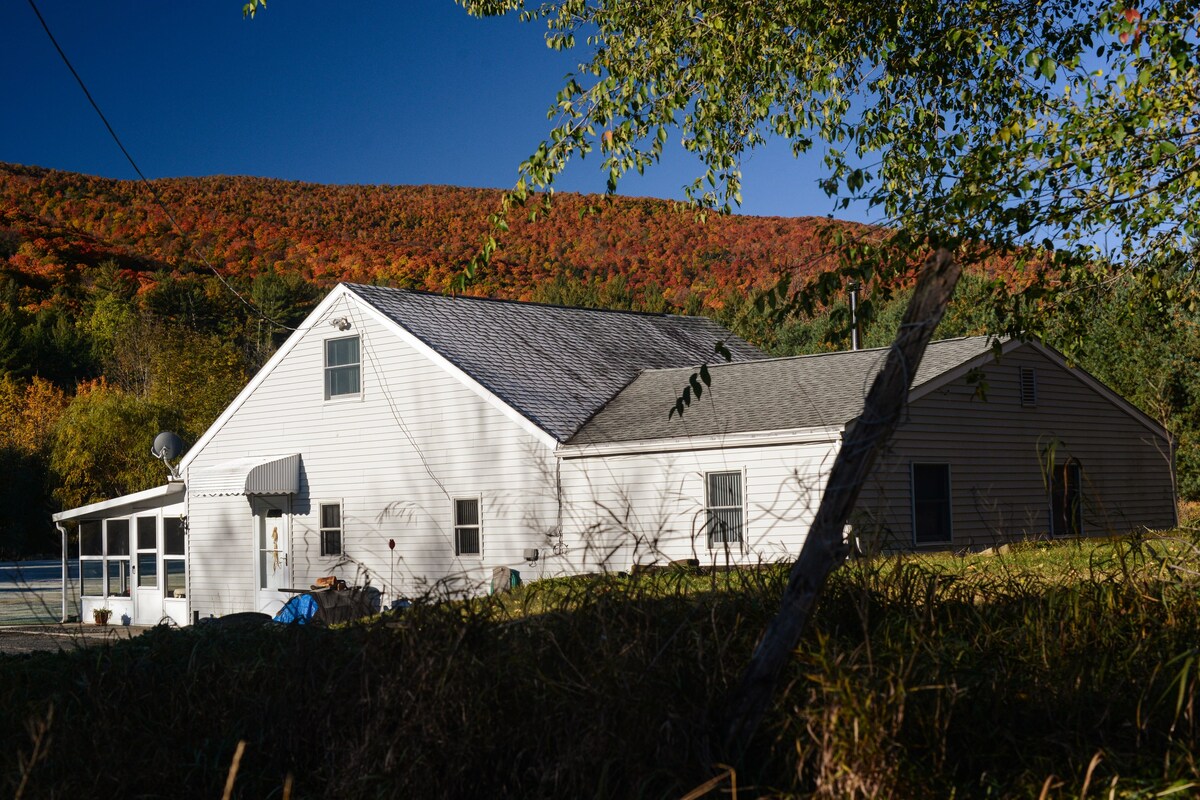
466, 527
933, 520
342, 367
723, 508
331, 529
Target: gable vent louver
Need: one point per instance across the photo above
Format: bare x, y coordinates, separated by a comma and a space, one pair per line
1028, 387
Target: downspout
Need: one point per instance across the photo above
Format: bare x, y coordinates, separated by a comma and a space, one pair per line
66, 575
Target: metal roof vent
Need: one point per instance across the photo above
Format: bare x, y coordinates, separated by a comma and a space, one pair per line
1028, 387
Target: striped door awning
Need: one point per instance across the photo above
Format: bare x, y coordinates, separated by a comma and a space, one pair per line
251, 475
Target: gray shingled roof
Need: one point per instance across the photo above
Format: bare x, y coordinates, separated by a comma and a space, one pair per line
773, 394
555, 365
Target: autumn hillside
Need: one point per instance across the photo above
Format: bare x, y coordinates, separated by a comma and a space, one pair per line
54, 226
112, 327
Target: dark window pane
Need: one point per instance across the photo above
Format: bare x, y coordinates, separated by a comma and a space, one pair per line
466, 541
724, 526
176, 577
724, 489
932, 519
118, 537
466, 512
147, 569
341, 380
339, 352
331, 516
1066, 500
173, 536
91, 543
331, 543
147, 533
91, 578
118, 577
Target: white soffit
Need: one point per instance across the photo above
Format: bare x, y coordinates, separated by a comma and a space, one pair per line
250, 475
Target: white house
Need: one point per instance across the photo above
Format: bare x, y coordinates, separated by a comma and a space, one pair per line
414, 440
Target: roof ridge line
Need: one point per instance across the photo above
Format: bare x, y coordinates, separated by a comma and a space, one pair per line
444, 295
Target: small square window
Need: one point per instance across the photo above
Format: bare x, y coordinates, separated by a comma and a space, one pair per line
342, 367
466, 527
331, 529
723, 506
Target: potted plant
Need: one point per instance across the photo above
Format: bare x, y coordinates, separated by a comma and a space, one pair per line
101, 615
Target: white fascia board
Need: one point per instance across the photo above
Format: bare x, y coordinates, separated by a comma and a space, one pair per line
311, 321
827, 434
135, 499
416, 343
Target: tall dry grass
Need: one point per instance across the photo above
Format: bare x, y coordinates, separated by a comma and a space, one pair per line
1035, 671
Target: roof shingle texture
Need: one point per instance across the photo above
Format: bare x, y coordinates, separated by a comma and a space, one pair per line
555, 365
821, 390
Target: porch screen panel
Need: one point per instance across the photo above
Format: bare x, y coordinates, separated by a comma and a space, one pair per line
174, 563
147, 557
91, 558
117, 557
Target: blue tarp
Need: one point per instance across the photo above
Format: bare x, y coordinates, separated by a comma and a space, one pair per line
298, 611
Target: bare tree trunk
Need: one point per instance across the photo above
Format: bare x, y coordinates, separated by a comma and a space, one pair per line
823, 548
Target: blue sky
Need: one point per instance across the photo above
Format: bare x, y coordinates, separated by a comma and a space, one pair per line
398, 92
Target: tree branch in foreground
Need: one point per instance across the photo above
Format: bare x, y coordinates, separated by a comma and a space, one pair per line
823, 548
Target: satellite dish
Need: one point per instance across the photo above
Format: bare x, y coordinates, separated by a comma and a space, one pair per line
166, 446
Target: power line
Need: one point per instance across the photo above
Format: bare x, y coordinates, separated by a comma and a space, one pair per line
149, 186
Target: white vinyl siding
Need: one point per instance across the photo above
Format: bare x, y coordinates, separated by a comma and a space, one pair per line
647, 508
395, 458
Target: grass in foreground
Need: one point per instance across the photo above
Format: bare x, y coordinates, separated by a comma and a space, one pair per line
1058, 670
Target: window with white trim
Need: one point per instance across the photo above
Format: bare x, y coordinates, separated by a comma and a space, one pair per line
331, 529
174, 558
723, 508
932, 513
342, 362
466, 527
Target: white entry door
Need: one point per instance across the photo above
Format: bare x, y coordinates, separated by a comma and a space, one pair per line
272, 554
148, 591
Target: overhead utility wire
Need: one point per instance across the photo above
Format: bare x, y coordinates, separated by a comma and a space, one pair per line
149, 186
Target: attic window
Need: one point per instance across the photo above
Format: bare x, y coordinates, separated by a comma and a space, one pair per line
341, 367
1028, 387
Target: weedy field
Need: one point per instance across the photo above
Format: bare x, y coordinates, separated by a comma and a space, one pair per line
1053, 670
